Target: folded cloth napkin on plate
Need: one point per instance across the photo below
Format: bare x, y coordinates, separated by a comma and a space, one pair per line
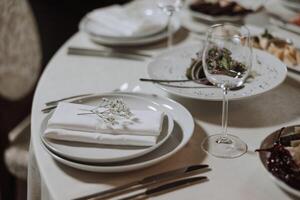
100, 138
116, 21
66, 124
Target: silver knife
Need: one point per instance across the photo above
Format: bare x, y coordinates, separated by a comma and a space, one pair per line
120, 50
147, 181
54, 102
165, 188
105, 54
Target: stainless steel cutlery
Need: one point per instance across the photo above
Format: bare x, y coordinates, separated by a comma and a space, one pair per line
150, 181
116, 53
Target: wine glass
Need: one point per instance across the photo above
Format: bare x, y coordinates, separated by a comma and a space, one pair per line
227, 60
169, 7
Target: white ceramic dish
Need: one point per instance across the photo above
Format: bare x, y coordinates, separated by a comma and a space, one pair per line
181, 134
267, 143
254, 30
97, 153
211, 18
172, 64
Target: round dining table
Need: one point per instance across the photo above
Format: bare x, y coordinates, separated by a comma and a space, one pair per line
251, 119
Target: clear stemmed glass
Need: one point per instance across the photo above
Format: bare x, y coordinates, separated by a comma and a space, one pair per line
170, 7
227, 60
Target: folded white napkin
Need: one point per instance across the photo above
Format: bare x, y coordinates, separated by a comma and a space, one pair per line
66, 124
100, 138
117, 21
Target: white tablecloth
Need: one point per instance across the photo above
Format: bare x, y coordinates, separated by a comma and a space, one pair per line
251, 119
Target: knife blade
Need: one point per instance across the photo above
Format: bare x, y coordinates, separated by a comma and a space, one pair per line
120, 50
104, 53
165, 188
147, 181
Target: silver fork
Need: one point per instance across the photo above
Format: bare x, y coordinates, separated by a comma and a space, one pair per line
55, 102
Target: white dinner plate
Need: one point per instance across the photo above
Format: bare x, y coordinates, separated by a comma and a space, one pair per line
97, 153
267, 143
129, 42
268, 73
181, 134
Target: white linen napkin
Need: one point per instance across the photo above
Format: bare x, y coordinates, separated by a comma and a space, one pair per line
66, 124
117, 21
99, 138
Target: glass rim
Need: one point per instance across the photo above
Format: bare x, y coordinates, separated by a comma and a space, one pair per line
236, 26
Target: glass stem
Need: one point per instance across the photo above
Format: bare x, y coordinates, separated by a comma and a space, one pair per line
224, 139
170, 35
225, 111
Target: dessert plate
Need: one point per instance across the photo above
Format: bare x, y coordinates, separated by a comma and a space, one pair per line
267, 143
98, 153
267, 70
181, 134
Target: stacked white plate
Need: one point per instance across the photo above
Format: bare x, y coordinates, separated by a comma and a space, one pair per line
112, 25
177, 130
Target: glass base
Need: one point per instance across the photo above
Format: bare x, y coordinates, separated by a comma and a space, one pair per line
224, 147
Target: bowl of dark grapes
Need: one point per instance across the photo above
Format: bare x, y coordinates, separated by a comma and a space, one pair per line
280, 155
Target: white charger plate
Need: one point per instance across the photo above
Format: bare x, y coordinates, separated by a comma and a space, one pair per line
181, 134
97, 153
172, 64
267, 143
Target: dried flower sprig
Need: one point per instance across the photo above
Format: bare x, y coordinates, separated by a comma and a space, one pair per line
110, 111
